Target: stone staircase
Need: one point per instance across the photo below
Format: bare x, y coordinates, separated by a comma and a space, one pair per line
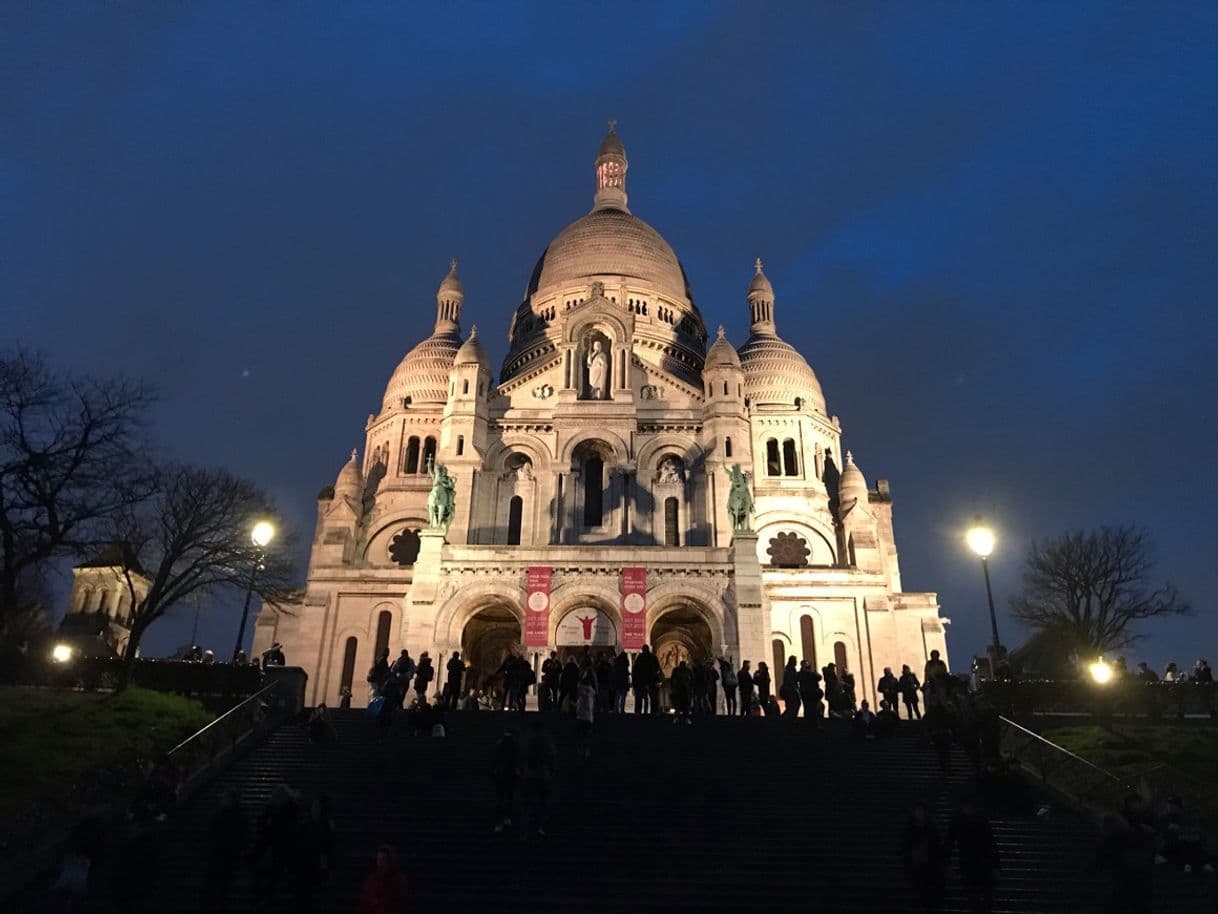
723, 815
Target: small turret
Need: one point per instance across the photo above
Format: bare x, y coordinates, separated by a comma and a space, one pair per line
611, 168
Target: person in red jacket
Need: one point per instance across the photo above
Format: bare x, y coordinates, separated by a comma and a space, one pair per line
384, 890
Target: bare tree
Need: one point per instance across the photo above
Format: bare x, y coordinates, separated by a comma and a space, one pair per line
1092, 588
69, 460
192, 537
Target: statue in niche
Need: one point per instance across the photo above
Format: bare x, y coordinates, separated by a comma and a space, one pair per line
597, 362
522, 472
670, 471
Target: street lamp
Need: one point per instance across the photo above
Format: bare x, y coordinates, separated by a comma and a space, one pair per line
261, 536
61, 653
980, 539
1101, 672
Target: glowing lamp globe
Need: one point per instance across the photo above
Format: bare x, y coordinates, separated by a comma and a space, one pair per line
61, 653
263, 533
981, 541
1101, 672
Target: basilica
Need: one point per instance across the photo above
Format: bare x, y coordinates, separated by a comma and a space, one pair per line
582, 497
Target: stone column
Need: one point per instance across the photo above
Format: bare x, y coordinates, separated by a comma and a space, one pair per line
752, 608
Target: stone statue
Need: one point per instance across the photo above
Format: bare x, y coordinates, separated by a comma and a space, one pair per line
670, 471
739, 500
598, 371
442, 500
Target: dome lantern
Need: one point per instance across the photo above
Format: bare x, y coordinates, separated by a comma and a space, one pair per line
761, 301
449, 298
611, 168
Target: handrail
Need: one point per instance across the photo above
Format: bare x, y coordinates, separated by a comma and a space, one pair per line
223, 718
1062, 749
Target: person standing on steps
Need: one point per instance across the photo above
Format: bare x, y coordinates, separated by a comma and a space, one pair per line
810, 694
403, 672
384, 890
727, 676
505, 769
585, 711
604, 681
889, 687
745, 678
621, 682
712, 692
761, 682
551, 673
682, 690
790, 689
909, 687
568, 684
452, 686
645, 674
379, 673
423, 677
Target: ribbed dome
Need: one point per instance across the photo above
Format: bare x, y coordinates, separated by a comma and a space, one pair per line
422, 376
722, 354
609, 242
775, 373
611, 145
852, 487
471, 351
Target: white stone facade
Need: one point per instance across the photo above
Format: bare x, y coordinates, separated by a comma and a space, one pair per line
605, 444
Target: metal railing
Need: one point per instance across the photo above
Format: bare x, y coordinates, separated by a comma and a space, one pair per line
1060, 769
219, 742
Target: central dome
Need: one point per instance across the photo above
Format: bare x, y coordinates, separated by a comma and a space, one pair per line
609, 242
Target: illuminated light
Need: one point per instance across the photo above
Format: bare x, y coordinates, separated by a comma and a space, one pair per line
1101, 672
263, 533
981, 540
61, 653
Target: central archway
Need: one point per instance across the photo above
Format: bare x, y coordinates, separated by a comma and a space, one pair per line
489, 635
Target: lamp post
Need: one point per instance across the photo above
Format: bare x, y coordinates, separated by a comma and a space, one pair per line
260, 536
981, 540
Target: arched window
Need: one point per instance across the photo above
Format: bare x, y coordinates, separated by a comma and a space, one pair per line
780, 664
773, 463
725, 388
672, 529
594, 491
806, 642
429, 453
460, 445
383, 622
789, 461
348, 675
850, 550
101, 601
839, 656
515, 515
411, 462
465, 386
727, 447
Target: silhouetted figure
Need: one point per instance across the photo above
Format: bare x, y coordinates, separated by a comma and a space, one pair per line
505, 769
761, 682
646, 677
934, 669
384, 890
910, 687
727, 675
697, 684
976, 855
423, 676
403, 671
889, 687
568, 684
886, 721
379, 673
551, 674
790, 688
712, 690
922, 852
321, 729
452, 685
604, 683
586, 700
939, 724
810, 694
745, 678
621, 682
274, 656
863, 722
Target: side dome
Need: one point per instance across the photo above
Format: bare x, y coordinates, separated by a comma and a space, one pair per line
722, 354
775, 373
472, 352
422, 376
609, 242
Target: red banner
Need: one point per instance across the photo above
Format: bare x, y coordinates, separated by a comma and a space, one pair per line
537, 606
634, 608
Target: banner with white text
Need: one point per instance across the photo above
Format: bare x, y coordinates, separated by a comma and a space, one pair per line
634, 608
537, 606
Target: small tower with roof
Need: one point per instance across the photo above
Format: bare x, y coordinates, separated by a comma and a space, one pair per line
611, 168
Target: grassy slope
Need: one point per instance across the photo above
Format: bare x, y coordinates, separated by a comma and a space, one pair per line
47, 738
1130, 751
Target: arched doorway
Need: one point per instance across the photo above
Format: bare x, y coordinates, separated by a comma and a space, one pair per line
680, 634
489, 636
585, 630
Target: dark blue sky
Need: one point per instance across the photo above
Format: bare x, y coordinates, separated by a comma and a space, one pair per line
991, 229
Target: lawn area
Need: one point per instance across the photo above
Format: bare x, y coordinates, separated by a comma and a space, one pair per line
49, 737
1131, 750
